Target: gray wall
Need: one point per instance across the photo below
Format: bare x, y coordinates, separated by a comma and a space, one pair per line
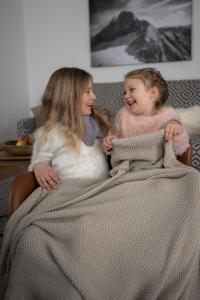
14, 102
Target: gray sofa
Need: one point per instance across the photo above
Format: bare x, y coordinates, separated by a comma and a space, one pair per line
183, 94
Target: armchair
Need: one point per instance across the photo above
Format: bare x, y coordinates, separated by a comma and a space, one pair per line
24, 184
20, 188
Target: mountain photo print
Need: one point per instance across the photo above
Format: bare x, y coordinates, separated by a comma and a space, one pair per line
124, 32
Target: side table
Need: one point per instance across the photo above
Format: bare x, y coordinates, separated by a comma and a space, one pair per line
11, 165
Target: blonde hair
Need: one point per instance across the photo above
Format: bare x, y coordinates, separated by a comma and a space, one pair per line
152, 77
61, 104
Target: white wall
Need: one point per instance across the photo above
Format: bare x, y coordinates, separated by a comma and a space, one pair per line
55, 33
14, 102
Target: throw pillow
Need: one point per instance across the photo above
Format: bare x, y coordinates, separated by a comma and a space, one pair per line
36, 113
190, 117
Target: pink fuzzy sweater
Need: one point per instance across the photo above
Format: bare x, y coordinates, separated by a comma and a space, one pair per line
127, 125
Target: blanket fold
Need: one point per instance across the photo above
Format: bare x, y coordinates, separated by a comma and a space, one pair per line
134, 235
145, 153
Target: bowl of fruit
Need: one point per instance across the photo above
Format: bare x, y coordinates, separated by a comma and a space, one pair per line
20, 147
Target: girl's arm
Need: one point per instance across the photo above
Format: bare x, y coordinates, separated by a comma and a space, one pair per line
46, 176
172, 128
41, 158
180, 142
107, 142
178, 133
113, 133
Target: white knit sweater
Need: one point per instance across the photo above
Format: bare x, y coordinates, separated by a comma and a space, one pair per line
90, 162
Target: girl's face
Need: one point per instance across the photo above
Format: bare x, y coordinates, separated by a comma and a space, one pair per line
87, 100
139, 99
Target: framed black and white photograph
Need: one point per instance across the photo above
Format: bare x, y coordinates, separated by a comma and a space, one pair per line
124, 32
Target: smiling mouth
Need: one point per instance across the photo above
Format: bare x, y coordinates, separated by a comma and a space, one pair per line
131, 102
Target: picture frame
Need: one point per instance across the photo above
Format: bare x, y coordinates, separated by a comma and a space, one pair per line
124, 32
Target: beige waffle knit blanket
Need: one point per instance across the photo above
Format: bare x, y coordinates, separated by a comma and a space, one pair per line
135, 235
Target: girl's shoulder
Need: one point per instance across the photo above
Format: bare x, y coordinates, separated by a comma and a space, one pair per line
51, 139
55, 132
167, 110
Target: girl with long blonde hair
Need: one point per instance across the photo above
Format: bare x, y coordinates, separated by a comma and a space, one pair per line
67, 144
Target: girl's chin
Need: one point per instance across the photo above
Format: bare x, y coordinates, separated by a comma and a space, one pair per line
132, 110
88, 113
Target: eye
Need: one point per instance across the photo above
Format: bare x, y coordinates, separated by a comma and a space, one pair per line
131, 89
125, 93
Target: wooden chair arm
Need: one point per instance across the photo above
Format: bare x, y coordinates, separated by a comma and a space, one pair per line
20, 188
186, 157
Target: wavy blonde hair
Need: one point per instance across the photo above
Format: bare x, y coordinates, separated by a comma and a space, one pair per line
61, 104
152, 77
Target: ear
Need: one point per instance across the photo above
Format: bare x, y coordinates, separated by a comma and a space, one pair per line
154, 92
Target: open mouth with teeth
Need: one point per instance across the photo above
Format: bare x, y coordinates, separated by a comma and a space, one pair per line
90, 105
131, 102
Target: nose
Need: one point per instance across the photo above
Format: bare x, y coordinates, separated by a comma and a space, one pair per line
93, 96
126, 96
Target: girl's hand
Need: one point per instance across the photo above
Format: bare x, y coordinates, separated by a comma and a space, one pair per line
172, 128
46, 176
107, 142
